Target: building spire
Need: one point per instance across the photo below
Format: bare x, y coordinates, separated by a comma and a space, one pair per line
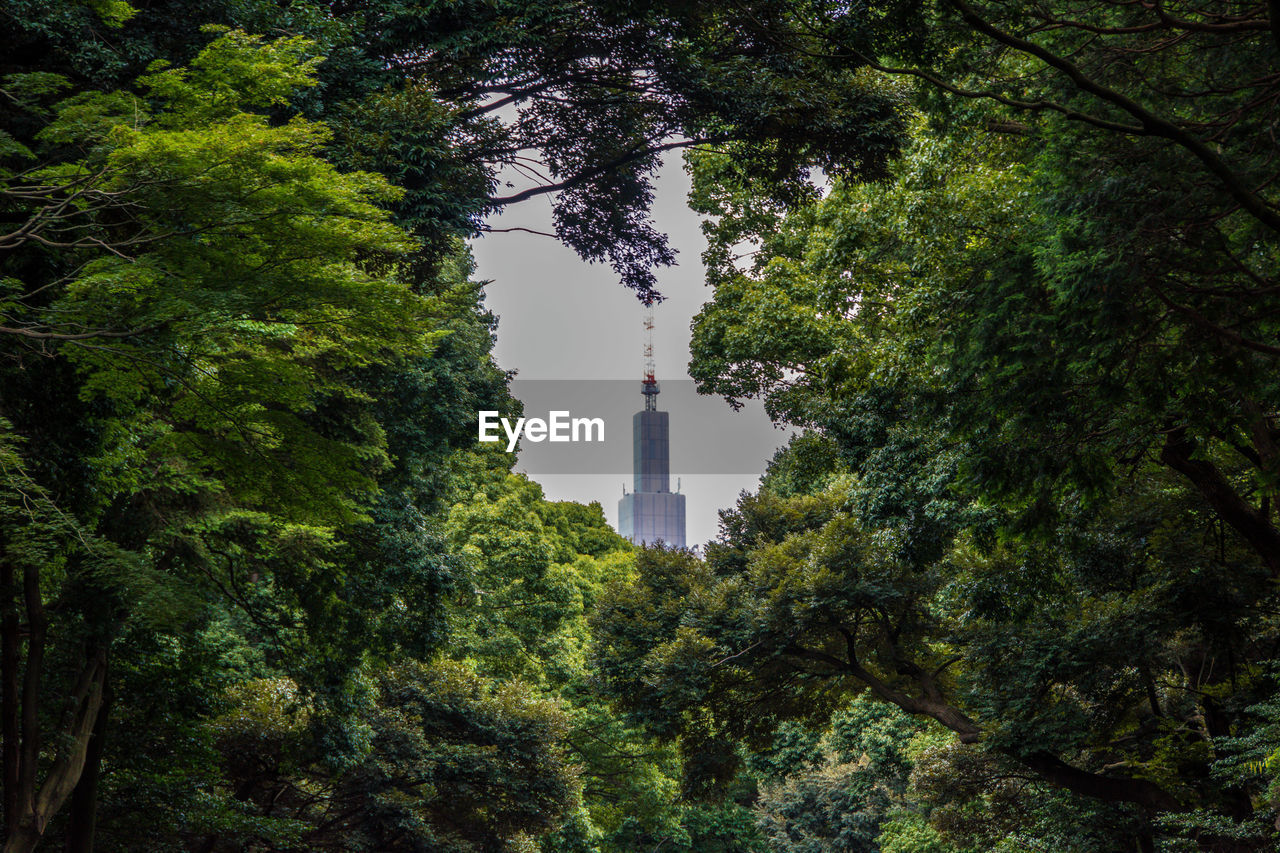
651, 512
649, 386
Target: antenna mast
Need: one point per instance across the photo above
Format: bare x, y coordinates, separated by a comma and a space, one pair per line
649, 387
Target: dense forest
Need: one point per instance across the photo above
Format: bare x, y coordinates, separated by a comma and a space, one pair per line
1013, 269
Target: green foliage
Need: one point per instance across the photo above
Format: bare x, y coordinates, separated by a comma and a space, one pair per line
234, 320
836, 797
220, 315
531, 571
1028, 327
985, 536
447, 748
599, 89
1048, 467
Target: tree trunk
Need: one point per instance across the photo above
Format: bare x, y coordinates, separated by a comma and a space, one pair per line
1249, 522
84, 799
64, 775
1108, 789
19, 836
9, 680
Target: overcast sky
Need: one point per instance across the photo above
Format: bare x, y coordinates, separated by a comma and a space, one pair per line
563, 319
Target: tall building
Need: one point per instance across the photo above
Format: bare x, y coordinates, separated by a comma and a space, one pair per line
652, 512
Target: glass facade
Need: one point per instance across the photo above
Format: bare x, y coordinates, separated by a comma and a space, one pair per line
652, 513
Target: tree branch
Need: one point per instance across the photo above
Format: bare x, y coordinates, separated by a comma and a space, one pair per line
59, 336
1222, 497
583, 177
1151, 123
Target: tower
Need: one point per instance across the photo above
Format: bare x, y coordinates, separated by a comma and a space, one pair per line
652, 512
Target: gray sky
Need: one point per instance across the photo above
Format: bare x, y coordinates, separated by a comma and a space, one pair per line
563, 319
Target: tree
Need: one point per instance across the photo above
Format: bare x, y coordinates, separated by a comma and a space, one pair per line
995, 414
454, 763
834, 791
1153, 225
579, 99
215, 285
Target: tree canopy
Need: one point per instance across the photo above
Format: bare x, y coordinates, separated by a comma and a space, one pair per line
1011, 268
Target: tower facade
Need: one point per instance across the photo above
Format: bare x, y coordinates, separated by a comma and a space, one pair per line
652, 512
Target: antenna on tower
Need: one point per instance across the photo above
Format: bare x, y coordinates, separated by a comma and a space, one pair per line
649, 387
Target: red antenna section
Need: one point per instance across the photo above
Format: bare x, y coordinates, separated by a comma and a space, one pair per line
649, 387
648, 348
